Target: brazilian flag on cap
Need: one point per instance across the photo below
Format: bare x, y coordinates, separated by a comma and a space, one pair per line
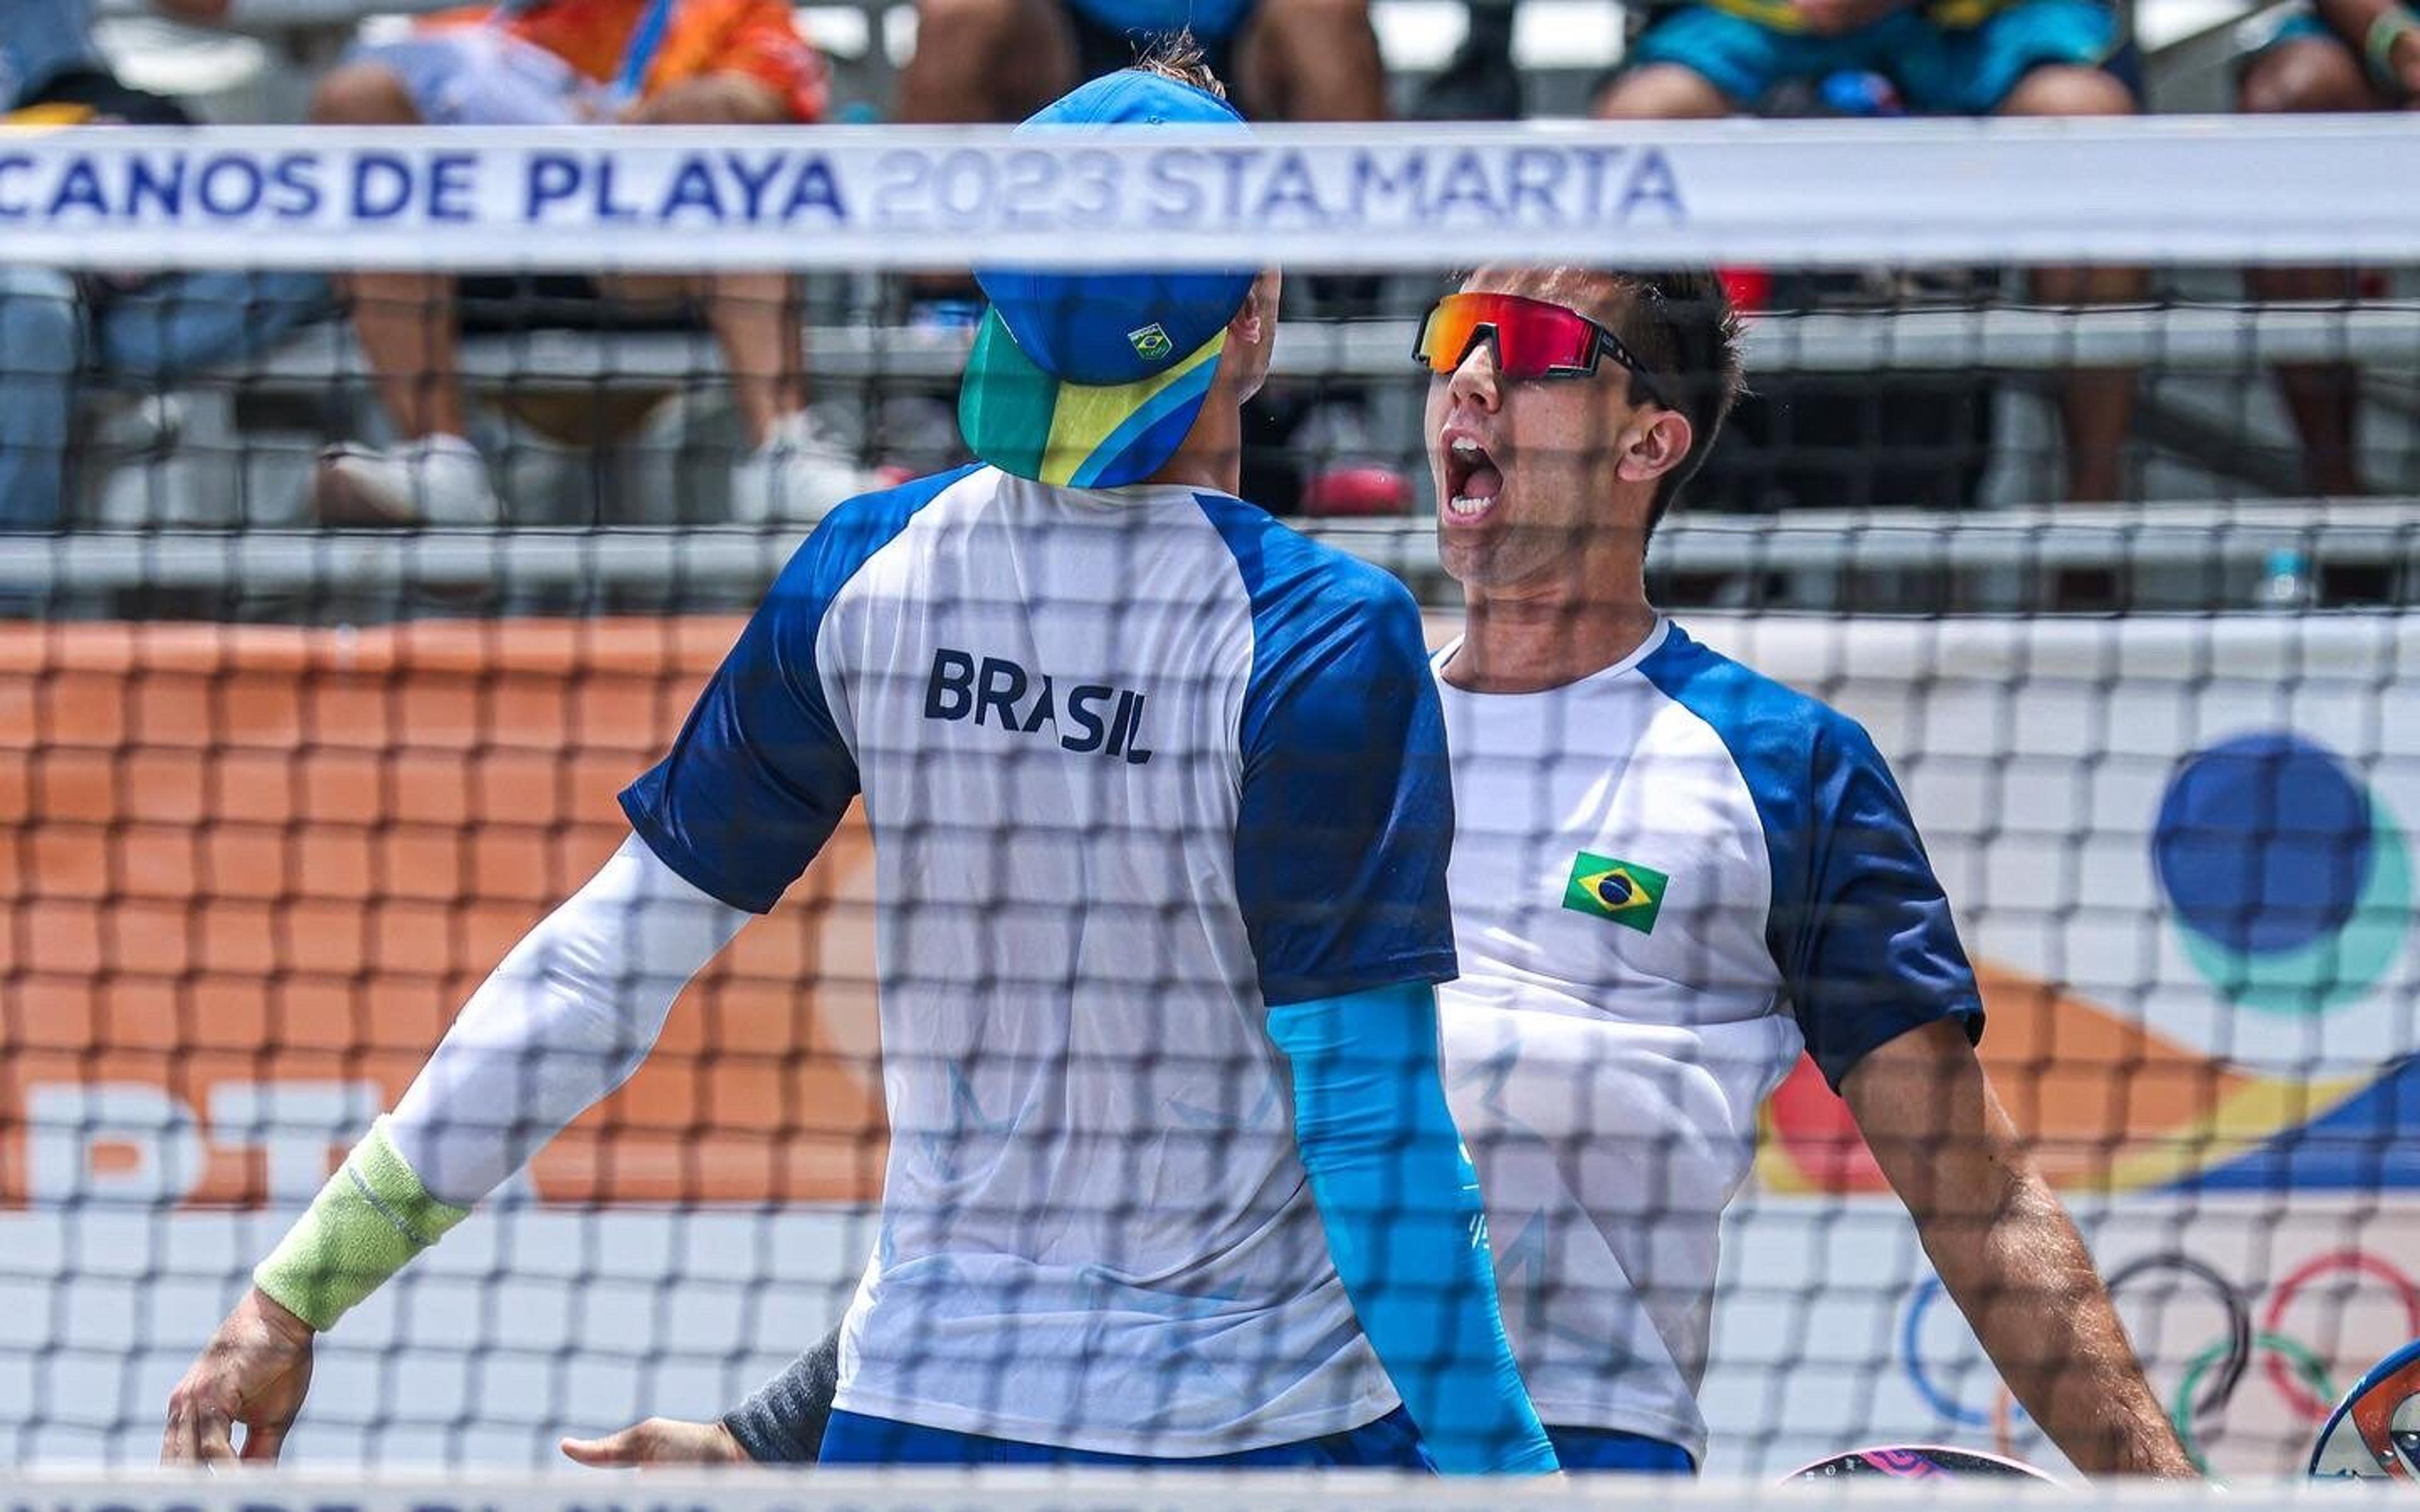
1023, 420
1092, 379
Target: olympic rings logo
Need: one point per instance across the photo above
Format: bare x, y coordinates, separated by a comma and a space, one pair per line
2301, 1377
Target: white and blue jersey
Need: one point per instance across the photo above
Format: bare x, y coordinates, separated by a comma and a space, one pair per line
1669, 878
1139, 765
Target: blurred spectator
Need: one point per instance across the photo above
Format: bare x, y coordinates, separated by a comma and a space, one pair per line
566, 62
1481, 81
60, 333
1001, 60
1958, 58
2328, 55
1285, 60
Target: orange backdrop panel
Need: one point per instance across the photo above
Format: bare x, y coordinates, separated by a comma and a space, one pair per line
246, 854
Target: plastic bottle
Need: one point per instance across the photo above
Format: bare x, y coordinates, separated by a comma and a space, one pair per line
2288, 585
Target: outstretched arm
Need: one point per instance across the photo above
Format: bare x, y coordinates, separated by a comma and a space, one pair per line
751, 789
561, 1022
2007, 1251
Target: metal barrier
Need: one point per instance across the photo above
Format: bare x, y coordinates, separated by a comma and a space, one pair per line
2169, 559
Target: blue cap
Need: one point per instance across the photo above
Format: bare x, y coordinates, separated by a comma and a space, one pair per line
1093, 379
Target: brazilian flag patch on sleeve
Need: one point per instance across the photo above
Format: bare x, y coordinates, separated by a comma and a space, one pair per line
1623, 891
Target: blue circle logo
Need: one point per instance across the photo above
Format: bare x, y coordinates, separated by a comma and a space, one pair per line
2291, 882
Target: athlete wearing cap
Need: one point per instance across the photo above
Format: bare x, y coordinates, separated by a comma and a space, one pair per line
1670, 877
1161, 812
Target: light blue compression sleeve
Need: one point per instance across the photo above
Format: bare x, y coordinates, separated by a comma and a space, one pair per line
1400, 1202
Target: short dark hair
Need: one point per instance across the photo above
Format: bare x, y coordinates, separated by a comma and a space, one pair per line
1176, 56
1682, 327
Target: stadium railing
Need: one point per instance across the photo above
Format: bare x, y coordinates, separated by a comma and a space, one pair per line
2217, 340
2162, 559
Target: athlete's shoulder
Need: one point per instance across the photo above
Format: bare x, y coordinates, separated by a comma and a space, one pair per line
1328, 629
1281, 566
1780, 738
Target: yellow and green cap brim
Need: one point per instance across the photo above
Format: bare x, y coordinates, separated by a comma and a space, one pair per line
1026, 421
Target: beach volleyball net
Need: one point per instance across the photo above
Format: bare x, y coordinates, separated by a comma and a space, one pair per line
283, 781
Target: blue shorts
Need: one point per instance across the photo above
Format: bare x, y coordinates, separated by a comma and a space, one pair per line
852, 1439
1599, 1451
1940, 70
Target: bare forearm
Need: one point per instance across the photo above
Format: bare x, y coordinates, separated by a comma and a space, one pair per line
2008, 1253
2029, 1287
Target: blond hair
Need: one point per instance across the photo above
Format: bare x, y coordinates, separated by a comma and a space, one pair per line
1178, 58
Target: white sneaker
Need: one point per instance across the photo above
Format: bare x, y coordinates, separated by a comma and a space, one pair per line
437, 480
804, 470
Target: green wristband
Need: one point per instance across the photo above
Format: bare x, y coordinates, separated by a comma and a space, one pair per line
366, 1225
2378, 48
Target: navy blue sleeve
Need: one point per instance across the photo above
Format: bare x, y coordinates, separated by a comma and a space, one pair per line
1861, 929
1346, 821
759, 775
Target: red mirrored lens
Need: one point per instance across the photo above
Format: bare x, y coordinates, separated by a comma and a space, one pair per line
1532, 337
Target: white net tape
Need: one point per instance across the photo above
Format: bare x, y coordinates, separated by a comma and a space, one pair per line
1373, 198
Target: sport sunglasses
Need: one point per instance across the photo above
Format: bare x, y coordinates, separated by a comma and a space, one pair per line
1533, 339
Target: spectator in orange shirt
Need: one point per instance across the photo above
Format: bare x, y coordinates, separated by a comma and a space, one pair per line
564, 62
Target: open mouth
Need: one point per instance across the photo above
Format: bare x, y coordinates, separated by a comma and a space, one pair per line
1472, 480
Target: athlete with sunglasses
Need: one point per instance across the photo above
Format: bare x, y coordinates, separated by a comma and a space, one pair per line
1670, 877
